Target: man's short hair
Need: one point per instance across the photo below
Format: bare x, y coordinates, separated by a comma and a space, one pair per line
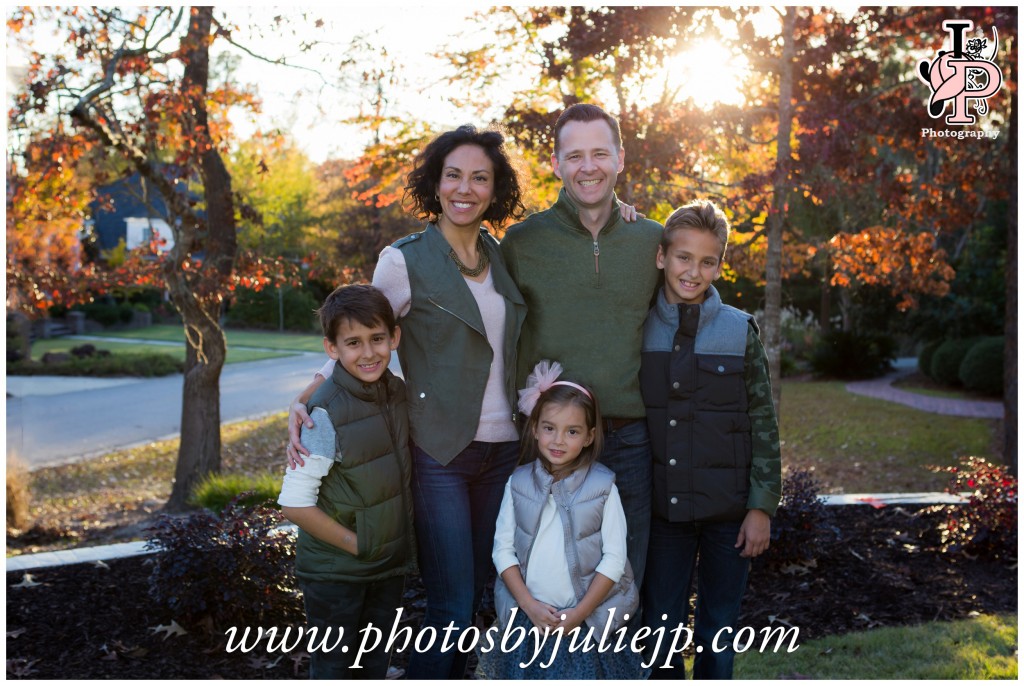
358, 302
703, 215
585, 112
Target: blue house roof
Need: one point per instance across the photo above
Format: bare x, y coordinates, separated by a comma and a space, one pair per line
131, 196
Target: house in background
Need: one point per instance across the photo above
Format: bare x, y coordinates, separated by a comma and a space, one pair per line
130, 209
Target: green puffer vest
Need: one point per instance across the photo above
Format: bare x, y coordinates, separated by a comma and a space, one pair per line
444, 352
368, 489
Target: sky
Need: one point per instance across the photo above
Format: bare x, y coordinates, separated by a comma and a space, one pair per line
297, 101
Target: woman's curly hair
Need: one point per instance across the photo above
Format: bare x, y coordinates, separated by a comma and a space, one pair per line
423, 181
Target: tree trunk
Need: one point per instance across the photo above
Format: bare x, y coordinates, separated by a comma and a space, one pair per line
772, 325
199, 452
199, 301
1010, 349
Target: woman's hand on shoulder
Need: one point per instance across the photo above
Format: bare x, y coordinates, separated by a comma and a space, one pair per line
298, 416
629, 213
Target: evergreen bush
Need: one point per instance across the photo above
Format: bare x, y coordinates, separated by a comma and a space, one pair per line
982, 367
261, 309
947, 359
853, 355
924, 358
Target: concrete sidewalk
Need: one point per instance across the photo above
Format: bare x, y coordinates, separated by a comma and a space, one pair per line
883, 389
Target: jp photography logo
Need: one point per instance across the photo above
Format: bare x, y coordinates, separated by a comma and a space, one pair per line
962, 79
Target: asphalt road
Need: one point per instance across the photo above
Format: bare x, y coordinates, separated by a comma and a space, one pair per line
69, 422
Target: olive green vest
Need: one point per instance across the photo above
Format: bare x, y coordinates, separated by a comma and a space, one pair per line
367, 489
444, 351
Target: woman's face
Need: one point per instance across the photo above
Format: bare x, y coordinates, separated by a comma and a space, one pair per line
466, 188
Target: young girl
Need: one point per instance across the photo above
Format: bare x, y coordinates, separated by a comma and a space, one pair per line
560, 542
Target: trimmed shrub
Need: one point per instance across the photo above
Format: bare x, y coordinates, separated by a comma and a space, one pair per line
123, 364
125, 312
101, 313
947, 359
924, 358
215, 491
852, 355
802, 524
987, 522
982, 368
260, 309
234, 569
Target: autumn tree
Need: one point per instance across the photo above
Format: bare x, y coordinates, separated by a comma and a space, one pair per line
136, 82
47, 200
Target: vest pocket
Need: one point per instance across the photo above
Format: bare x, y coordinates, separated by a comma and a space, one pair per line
720, 381
371, 547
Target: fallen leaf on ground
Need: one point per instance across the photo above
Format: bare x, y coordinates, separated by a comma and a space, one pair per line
19, 666
172, 629
14, 633
27, 582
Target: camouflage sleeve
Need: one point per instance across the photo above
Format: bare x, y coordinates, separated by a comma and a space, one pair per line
766, 467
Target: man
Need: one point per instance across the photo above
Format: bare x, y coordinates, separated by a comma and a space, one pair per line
588, 278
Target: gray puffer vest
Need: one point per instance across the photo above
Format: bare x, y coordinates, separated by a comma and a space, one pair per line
580, 498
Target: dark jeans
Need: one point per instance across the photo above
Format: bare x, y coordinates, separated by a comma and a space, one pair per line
627, 452
349, 607
456, 507
676, 548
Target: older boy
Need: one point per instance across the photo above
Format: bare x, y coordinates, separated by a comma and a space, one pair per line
351, 498
715, 439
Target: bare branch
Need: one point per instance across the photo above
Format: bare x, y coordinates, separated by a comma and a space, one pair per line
280, 61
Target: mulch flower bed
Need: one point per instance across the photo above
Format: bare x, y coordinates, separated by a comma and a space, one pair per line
96, 621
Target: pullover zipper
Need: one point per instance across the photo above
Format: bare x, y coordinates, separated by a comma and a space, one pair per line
597, 255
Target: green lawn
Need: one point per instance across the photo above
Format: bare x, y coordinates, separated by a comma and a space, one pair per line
306, 342
858, 444
239, 343
63, 345
984, 647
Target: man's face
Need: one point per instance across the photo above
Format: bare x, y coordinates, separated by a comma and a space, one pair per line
588, 163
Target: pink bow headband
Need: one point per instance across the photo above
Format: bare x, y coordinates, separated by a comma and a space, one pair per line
544, 376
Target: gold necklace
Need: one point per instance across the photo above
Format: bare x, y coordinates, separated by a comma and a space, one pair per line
480, 266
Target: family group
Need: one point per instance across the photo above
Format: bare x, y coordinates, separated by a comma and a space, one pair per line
580, 413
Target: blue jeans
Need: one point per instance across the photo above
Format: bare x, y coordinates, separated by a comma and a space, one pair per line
456, 506
676, 548
350, 607
627, 452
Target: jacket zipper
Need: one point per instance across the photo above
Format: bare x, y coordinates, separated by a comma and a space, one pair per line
445, 309
597, 255
398, 459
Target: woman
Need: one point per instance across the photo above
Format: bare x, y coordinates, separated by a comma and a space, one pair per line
460, 315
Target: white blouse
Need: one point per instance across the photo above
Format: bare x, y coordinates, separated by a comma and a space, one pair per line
392, 277
547, 575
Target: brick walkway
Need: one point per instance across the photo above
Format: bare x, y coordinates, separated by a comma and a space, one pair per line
883, 389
